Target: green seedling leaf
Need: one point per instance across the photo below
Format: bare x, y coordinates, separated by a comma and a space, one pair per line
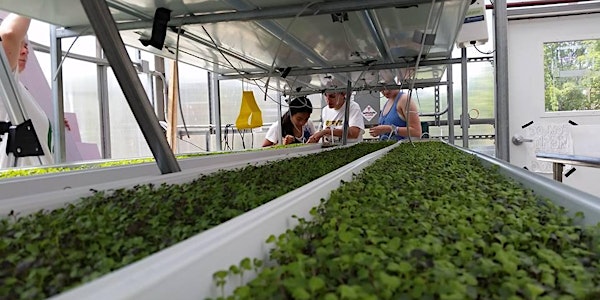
315, 284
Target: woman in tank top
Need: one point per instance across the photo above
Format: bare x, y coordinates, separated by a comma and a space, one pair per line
393, 118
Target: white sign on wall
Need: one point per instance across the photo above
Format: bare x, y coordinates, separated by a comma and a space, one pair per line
369, 113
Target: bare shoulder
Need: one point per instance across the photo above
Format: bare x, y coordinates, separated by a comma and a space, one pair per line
402, 102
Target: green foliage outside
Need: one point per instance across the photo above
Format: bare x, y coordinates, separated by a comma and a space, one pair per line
572, 75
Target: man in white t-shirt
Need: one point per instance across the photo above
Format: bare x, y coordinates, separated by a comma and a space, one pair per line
332, 115
13, 31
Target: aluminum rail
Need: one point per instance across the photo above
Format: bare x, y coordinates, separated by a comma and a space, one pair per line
568, 197
576, 160
29, 186
184, 271
559, 161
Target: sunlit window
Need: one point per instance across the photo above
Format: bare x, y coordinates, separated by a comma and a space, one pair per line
572, 75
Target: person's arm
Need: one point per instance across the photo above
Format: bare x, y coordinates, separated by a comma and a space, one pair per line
353, 132
356, 122
411, 117
13, 30
271, 136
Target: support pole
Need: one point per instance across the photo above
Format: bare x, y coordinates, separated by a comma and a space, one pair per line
346, 113
464, 117
450, 95
501, 86
103, 105
58, 134
102, 22
279, 115
160, 87
215, 104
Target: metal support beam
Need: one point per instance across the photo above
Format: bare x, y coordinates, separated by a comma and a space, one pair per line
501, 86
464, 116
377, 87
58, 134
374, 27
279, 115
103, 105
214, 98
483, 121
46, 49
357, 68
346, 114
344, 69
101, 20
450, 95
547, 11
436, 104
161, 93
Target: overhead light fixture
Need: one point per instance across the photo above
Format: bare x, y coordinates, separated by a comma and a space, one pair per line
339, 17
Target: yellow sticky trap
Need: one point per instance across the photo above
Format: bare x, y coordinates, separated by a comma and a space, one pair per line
250, 115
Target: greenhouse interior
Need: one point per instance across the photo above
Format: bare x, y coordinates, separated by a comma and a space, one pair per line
247, 149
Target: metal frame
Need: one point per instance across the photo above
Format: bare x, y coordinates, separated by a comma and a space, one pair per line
103, 105
501, 87
102, 21
214, 99
58, 134
464, 116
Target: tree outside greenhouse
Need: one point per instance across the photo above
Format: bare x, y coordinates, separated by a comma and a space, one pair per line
572, 75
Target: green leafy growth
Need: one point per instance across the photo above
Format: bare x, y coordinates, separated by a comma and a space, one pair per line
427, 221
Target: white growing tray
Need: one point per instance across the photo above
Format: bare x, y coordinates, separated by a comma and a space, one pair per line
29, 185
69, 187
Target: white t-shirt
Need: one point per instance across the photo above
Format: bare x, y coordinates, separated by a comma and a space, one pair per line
41, 125
273, 133
335, 119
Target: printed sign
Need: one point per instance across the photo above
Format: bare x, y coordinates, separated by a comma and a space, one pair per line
369, 113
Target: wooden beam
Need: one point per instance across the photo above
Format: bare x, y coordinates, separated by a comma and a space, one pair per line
172, 107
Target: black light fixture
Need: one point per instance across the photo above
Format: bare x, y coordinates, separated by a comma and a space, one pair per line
339, 17
159, 29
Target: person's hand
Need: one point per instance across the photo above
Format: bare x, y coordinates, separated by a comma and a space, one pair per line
288, 139
315, 137
67, 125
379, 130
